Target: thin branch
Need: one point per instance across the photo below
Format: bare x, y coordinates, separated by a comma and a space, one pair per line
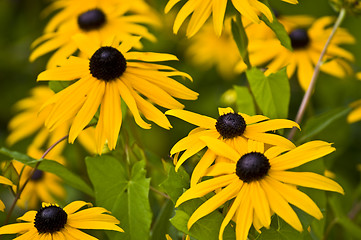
307, 96
159, 192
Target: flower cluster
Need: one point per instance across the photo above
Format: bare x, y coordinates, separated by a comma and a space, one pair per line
102, 78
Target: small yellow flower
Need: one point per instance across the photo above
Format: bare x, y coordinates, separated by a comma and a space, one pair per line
97, 19
259, 182
105, 75
202, 9
52, 222
307, 46
233, 128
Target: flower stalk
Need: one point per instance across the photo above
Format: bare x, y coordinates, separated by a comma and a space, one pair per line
308, 94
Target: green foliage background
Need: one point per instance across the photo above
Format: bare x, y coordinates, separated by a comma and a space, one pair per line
21, 23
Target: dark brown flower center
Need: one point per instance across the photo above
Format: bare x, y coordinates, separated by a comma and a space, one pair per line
91, 20
107, 63
299, 38
37, 175
231, 125
252, 166
50, 219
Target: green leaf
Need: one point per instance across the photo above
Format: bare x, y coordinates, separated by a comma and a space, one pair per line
161, 224
245, 103
53, 167
176, 182
278, 29
241, 39
271, 93
57, 86
206, 228
125, 195
280, 230
319, 123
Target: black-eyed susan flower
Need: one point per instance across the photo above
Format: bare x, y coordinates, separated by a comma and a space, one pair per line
307, 46
103, 76
42, 186
5, 181
233, 128
257, 183
202, 9
99, 20
30, 122
206, 50
52, 222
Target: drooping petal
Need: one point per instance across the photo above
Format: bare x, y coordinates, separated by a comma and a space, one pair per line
205, 187
201, 167
280, 206
75, 206
271, 125
260, 203
215, 202
296, 198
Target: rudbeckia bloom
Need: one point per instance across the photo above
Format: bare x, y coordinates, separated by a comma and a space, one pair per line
98, 19
4, 180
105, 75
232, 128
206, 49
259, 183
202, 9
29, 121
52, 222
307, 47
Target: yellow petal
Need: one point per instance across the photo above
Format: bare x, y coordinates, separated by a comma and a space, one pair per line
215, 202
170, 5
4, 180
132, 105
16, 228
193, 118
199, 17
260, 202
185, 11
201, 168
193, 149
280, 206
237, 203
244, 218
296, 198
272, 125
112, 114
246, 10
88, 110
221, 168
220, 148
150, 56
271, 139
75, 206
205, 187
86, 45
219, 9
307, 179
301, 155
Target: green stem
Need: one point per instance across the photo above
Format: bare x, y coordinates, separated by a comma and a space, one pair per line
18, 194
307, 96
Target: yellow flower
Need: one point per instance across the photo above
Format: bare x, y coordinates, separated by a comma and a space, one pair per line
202, 9
307, 46
4, 180
233, 128
105, 75
206, 49
42, 186
29, 122
52, 222
98, 19
258, 181
355, 114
